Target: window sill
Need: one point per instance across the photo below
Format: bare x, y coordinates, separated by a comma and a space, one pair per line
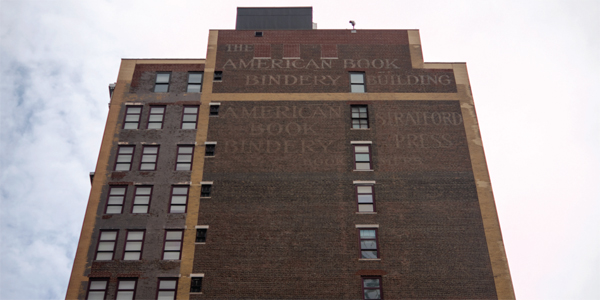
209, 156
205, 197
199, 243
366, 212
360, 128
364, 170
369, 259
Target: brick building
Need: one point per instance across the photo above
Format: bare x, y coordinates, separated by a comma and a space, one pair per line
292, 163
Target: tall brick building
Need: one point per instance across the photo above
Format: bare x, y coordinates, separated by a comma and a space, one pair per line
292, 163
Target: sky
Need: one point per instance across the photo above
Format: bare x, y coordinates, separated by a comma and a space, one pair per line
533, 66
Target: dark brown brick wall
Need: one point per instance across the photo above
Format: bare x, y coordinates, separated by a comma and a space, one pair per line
282, 223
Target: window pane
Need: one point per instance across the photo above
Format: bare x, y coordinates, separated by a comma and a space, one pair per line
369, 254
367, 234
172, 245
97, 285
115, 200
140, 209
108, 236
147, 167
126, 285
183, 167
135, 235
193, 88
371, 282
189, 118
171, 255
182, 158
131, 126
177, 209
195, 78
190, 110
363, 166
106, 246
132, 118
357, 88
365, 198
372, 294
361, 149
154, 126
162, 78
96, 296
174, 235
179, 199
134, 110
149, 158
185, 150
132, 256
155, 118
157, 110
188, 126
167, 284
143, 190
104, 256
355, 115
133, 246
150, 150
362, 157
142, 200
161, 88
117, 191
113, 210
357, 78
364, 189
180, 190
365, 207
162, 295
368, 244
124, 158
125, 295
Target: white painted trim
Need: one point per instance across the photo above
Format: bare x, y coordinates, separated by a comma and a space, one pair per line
206, 182
210, 143
201, 226
214, 103
359, 182
197, 275
361, 142
367, 225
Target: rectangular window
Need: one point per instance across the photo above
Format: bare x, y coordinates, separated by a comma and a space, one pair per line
149, 158
124, 158
162, 82
372, 287
179, 197
360, 117
365, 199
218, 76
362, 157
126, 289
209, 149
97, 289
134, 245
106, 245
167, 289
184, 158
205, 190
357, 82
201, 235
156, 117
132, 117
196, 286
214, 109
173, 241
116, 198
368, 243
190, 117
195, 82
141, 200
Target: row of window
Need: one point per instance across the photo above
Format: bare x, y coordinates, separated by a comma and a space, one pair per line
143, 196
156, 116
126, 288
194, 84
149, 157
167, 288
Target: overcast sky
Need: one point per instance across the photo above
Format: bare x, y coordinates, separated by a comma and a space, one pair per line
533, 67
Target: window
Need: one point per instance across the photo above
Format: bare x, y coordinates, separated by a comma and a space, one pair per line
124, 158
132, 117
218, 76
97, 289
184, 158
205, 190
106, 245
214, 109
209, 149
133, 245
195, 82
196, 286
357, 82
162, 82
364, 198
362, 157
167, 289
372, 287
149, 157
173, 240
368, 243
156, 117
179, 196
190, 116
201, 235
116, 197
141, 200
360, 118
126, 289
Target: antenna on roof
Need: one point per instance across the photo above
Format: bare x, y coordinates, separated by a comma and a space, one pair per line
353, 23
